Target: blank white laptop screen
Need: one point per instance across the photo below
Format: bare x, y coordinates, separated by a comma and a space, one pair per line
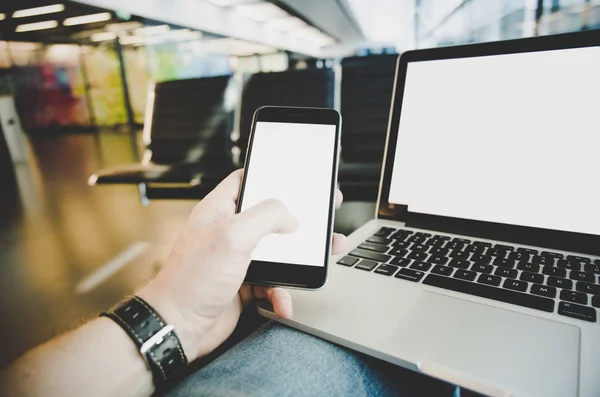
511, 139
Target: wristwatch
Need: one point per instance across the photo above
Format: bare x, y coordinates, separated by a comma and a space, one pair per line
157, 342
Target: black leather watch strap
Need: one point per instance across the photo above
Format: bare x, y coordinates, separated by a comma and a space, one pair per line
156, 340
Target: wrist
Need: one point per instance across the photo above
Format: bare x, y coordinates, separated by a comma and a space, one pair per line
188, 328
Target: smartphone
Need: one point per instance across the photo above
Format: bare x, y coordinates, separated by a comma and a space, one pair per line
293, 156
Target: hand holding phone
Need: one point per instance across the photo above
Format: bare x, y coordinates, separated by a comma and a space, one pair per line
293, 157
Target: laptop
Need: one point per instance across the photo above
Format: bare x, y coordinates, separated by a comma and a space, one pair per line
482, 264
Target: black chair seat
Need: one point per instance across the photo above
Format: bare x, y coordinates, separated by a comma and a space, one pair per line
175, 174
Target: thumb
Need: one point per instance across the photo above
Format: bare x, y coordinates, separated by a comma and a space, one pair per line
267, 217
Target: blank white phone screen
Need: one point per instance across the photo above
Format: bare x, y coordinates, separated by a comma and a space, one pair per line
293, 163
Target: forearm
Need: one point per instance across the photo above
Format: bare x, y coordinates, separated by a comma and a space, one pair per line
97, 359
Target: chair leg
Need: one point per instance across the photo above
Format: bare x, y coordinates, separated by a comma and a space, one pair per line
143, 197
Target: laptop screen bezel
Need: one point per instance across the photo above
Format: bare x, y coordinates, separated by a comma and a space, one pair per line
552, 239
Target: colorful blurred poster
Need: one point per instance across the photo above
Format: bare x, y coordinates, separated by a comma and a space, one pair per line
105, 85
185, 60
136, 68
50, 89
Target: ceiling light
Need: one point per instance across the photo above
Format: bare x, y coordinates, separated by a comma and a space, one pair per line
2, 17
29, 12
228, 3
28, 27
104, 36
261, 12
149, 30
119, 27
91, 18
286, 24
238, 47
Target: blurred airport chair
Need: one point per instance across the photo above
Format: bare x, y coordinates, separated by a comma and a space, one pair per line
303, 87
366, 93
188, 140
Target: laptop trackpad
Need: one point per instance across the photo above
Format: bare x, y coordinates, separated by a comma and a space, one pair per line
488, 349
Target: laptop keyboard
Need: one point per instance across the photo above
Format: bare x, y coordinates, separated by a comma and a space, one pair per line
516, 275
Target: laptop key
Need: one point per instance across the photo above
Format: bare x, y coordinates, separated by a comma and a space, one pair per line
418, 256
482, 268
443, 270
454, 245
504, 247
552, 254
401, 252
509, 263
384, 231
482, 244
596, 301
420, 247
386, 270
366, 265
474, 249
597, 261
582, 276
402, 244
560, 283
478, 258
543, 290
579, 312
587, 288
417, 265
374, 247
379, 240
518, 256
581, 259
438, 260
459, 263
515, 285
531, 277
528, 267
489, 280
554, 271
398, 261
369, 255
465, 275
461, 240
567, 264
416, 239
542, 260
498, 253
459, 254
595, 268
484, 291
527, 251
409, 274
348, 261
574, 297
439, 251
503, 272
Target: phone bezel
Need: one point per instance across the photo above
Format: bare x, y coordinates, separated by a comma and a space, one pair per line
287, 274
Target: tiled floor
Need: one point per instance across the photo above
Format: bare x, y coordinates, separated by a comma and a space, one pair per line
55, 231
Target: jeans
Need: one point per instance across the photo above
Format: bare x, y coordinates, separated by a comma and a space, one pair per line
280, 361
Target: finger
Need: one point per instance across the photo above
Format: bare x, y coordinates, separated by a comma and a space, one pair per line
229, 188
247, 228
282, 302
339, 198
339, 243
218, 204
